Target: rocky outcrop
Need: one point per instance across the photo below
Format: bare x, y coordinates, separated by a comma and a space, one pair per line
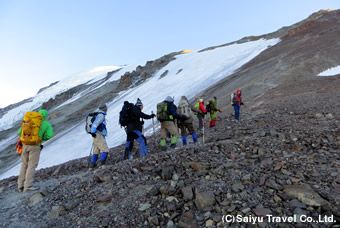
285, 31
141, 74
62, 97
44, 88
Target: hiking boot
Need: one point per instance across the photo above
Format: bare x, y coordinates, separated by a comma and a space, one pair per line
174, 146
163, 148
21, 189
29, 189
126, 154
102, 164
92, 166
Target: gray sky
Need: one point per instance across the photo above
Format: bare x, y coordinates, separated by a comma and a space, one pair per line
44, 41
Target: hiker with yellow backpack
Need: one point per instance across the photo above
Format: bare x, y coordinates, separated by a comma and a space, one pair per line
33, 131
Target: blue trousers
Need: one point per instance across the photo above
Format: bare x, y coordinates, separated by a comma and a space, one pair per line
237, 111
129, 144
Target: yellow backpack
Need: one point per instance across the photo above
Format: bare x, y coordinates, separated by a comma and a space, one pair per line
30, 128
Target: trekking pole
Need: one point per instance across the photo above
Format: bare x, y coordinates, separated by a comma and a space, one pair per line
153, 126
203, 128
89, 159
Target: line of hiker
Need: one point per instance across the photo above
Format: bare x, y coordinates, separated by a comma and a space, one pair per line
35, 129
172, 119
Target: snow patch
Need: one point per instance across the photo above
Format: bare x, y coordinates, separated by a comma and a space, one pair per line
331, 72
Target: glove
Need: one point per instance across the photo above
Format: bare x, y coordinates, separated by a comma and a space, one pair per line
241, 103
219, 110
93, 135
41, 147
153, 115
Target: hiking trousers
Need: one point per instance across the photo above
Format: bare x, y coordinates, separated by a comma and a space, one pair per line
99, 144
29, 161
171, 127
237, 111
200, 121
212, 115
131, 136
186, 126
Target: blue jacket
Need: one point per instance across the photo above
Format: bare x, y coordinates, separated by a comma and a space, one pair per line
99, 124
172, 109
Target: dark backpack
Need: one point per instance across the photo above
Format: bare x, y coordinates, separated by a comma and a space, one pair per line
125, 114
208, 107
89, 121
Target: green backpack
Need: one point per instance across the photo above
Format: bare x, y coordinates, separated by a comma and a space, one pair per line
162, 111
197, 105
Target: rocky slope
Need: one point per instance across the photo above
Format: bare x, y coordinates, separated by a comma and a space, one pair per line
281, 159
305, 50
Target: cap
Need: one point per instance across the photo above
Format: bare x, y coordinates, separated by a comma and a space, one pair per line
139, 102
169, 99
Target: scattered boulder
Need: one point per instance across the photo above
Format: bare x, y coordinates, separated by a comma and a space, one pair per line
167, 173
204, 200
305, 194
187, 193
56, 212
35, 199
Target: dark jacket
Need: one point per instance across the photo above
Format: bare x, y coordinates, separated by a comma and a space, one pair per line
136, 123
172, 109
